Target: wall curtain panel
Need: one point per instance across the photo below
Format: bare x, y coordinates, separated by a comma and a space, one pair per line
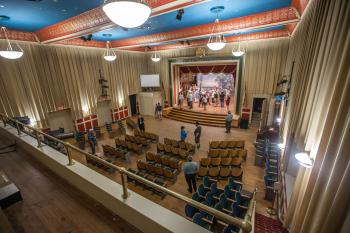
51, 76
318, 116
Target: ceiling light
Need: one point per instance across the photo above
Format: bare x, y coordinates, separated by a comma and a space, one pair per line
109, 54
239, 52
155, 57
304, 159
10, 52
216, 42
127, 13
281, 145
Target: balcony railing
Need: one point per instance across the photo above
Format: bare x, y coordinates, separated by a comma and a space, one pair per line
244, 224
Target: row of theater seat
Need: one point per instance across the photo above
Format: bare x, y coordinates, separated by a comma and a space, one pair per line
226, 144
156, 180
113, 152
172, 151
221, 172
128, 146
158, 170
147, 135
138, 140
100, 165
224, 162
163, 160
231, 200
214, 153
180, 144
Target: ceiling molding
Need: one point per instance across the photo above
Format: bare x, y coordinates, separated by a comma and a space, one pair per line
300, 5
229, 39
272, 18
81, 42
96, 20
19, 35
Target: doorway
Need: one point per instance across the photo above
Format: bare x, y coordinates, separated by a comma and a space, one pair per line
133, 103
257, 111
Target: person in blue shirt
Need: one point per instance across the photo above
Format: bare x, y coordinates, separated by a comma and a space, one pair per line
190, 169
183, 134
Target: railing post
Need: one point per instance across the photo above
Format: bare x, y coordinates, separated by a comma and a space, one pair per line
124, 183
18, 130
38, 138
70, 160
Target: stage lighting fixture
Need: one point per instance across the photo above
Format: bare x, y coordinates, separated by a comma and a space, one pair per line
180, 14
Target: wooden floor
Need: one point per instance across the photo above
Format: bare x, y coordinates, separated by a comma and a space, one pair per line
252, 177
50, 204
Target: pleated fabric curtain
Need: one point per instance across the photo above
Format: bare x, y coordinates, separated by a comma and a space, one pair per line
318, 118
47, 77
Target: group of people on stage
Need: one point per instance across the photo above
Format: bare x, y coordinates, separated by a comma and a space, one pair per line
205, 97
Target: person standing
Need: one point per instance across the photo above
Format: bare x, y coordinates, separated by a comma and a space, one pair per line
159, 111
228, 121
190, 169
183, 134
181, 99
222, 98
141, 123
197, 134
228, 98
190, 100
204, 100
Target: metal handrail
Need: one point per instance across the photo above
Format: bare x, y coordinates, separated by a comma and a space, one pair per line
244, 224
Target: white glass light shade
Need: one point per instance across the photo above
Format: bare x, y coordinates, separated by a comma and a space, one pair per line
11, 54
237, 53
109, 54
304, 159
155, 57
215, 46
216, 42
110, 58
128, 14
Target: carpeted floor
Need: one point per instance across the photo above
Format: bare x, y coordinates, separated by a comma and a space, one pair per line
265, 224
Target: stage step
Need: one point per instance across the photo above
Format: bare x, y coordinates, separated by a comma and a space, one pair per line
188, 116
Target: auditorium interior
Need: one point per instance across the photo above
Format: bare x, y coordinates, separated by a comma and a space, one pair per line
184, 116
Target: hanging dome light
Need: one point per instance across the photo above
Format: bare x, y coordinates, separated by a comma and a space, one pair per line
239, 52
109, 54
10, 52
304, 159
216, 42
155, 57
127, 13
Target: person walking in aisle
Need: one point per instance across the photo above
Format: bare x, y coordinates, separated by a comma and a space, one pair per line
141, 123
190, 169
228, 121
183, 134
197, 134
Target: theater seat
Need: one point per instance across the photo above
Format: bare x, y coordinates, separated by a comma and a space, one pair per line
213, 172
203, 171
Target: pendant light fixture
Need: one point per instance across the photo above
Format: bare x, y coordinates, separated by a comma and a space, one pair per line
304, 159
127, 13
216, 41
10, 52
155, 57
239, 52
109, 54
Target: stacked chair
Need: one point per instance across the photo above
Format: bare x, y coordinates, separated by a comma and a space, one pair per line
171, 151
190, 148
157, 180
113, 152
109, 129
232, 200
221, 168
80, 138
267, 154
97, 130
128, 146
152, 137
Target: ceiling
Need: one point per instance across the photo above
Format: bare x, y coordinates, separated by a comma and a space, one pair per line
70, 21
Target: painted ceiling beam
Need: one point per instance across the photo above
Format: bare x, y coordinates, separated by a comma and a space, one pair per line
201, 43
300, 5
96, 20
19, 35
272, 18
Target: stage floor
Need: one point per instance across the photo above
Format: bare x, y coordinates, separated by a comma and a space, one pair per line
212, 108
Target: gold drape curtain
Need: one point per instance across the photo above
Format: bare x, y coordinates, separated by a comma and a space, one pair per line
318, 116
50, 76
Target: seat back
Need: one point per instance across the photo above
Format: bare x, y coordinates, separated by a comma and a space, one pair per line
205, 162
215, 161
159, 170
190, 211
223, 144
158, 159
141, 165
165, 160
149, 156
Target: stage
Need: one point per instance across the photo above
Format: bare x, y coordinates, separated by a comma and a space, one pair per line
212, 108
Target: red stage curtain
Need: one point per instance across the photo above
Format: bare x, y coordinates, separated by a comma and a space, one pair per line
205, 69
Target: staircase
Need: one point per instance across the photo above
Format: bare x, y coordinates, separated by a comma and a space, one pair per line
209, 119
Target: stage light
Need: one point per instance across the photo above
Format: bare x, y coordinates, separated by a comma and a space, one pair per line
180, 14
304, 159
216, 41
109, 54
10, 52
128, 13
155, 57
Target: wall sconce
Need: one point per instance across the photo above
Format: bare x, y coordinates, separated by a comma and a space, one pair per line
85, 109
304, 159
278, 120
281, 146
